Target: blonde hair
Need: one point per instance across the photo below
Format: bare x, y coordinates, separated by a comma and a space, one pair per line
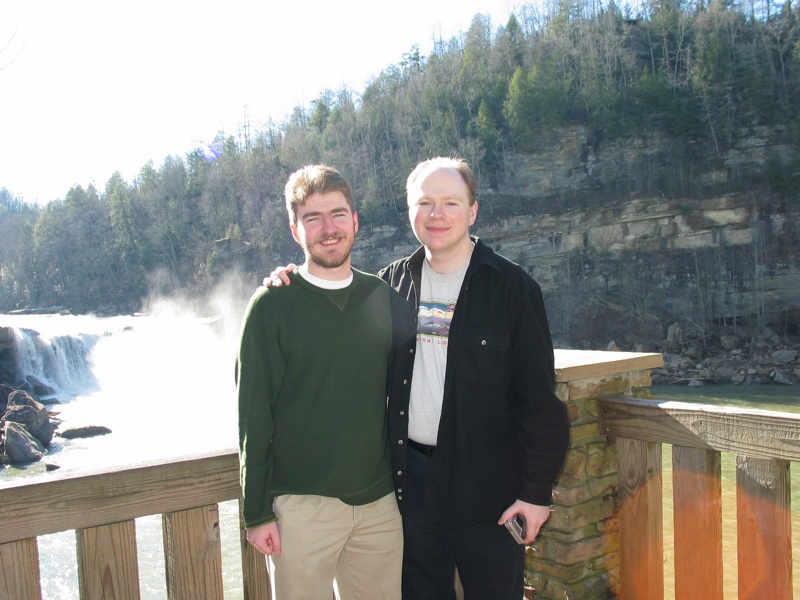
444, 162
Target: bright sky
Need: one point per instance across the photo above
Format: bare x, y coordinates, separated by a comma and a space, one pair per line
89, 87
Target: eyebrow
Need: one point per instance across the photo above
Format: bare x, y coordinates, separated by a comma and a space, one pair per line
425, 197
316, 213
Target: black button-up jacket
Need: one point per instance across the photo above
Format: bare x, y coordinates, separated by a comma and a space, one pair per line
503, 433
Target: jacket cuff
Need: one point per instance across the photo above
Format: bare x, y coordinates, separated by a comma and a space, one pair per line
540, 494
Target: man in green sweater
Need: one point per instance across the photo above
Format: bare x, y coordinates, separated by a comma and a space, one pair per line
311, 370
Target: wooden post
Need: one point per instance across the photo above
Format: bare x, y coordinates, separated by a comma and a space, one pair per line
108, 565
19, 570
764, 528
255, 575
640, 527
577, 553
193, 554
697, 523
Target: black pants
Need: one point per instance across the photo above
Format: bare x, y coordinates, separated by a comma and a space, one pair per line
488, 559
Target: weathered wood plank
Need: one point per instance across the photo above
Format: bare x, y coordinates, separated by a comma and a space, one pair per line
65, 502
764, 529
640, 514
255, 577
757, 433
697, 525
108, 566
193, 554
571, 365
19, 570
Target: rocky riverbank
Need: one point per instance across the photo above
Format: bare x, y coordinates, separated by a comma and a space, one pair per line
28, 426
737, 356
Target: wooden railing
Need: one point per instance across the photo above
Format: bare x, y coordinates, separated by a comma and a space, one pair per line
764, 444
101, 508
604, 538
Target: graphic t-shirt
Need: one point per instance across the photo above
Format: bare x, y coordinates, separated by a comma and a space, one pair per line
438, 297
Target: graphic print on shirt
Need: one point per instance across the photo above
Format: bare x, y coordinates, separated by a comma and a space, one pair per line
433, 322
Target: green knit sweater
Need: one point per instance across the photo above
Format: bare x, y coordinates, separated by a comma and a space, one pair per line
312, 394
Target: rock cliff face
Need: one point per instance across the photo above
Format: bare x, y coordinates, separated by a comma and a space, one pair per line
625, 267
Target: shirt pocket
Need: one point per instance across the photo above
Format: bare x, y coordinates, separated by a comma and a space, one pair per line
484, 354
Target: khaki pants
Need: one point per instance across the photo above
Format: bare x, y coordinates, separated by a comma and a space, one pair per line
323, 539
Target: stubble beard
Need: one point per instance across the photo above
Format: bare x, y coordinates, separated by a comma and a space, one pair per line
329, 262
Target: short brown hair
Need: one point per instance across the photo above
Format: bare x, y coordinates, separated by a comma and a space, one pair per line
444, 162
314, 179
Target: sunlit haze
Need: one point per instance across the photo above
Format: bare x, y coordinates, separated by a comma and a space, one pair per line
91, 87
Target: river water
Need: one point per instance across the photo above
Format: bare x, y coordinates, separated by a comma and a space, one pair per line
163, 383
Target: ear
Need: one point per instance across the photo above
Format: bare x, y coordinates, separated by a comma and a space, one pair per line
473, 213
295, 233
355, 222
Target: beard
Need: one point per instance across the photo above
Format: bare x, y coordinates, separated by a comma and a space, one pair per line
329, 259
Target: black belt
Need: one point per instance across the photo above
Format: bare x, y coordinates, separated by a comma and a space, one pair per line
422, 448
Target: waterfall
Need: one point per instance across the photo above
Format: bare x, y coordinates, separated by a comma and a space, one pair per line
61, 362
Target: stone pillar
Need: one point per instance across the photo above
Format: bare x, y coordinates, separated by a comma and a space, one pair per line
576, 556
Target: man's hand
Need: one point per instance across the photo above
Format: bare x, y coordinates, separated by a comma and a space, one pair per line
280, 276
534, 515
266, 538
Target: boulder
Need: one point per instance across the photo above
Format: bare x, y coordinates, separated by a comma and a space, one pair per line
729, 342
38, 387
784, 357
649, 347
782, 378
694, 351
677, 362
23, 409
19, 445
8, 354
724, 374
674, 334
84, 432
7, 339
5, 391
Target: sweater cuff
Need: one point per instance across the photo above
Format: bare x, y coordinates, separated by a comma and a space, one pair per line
259, 522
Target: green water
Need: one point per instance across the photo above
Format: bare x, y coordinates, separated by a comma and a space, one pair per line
773, 398
764, 397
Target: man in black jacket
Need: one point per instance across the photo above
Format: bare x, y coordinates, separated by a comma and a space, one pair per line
477, 434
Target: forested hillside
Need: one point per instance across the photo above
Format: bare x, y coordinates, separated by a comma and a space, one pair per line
702, 76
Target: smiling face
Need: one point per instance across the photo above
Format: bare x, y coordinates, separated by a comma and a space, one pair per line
326, 229
440, 212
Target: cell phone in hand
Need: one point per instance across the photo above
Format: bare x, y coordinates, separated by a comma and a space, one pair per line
516, 527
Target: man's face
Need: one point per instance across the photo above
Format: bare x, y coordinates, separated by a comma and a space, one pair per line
326, 229
439, 209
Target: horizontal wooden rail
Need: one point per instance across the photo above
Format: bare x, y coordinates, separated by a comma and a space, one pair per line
64, 502
756, 433
101, 507
764, 443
